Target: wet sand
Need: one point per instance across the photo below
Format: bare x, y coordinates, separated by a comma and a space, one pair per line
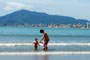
47, 57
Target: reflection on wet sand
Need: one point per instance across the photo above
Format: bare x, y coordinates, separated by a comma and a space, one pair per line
43, 57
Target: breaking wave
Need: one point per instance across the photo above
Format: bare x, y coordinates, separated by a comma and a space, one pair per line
50, 44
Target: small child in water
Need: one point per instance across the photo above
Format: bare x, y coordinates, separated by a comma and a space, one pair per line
35, 43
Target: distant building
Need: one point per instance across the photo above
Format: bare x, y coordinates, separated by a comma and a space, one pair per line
88, 25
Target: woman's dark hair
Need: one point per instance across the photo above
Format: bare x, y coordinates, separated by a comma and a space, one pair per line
41, 31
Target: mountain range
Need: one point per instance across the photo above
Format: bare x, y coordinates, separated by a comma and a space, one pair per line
32, 17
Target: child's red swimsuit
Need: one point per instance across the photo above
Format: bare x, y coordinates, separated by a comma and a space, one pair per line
35, 44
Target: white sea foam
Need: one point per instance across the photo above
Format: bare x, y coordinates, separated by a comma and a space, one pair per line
51, 44
46, 53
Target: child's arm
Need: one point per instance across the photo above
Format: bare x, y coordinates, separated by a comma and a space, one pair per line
38, 44
33, 43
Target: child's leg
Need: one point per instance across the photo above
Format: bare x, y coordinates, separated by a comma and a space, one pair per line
35, 47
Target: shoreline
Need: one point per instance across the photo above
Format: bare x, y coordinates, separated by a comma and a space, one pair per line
47, 57
46, 27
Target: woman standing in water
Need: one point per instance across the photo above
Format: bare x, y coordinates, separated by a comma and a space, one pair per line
45, 39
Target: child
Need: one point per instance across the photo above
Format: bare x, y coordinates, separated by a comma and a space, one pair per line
35, 44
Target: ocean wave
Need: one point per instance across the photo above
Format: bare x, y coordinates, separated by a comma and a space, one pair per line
46, 53
50, 44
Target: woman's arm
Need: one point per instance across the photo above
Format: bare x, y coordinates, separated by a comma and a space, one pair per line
42, 38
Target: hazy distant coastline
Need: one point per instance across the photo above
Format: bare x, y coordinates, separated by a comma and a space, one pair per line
25, 18
81, 26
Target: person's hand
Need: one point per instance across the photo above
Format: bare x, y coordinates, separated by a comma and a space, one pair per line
40, 42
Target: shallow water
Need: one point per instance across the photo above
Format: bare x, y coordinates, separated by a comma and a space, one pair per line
56, 35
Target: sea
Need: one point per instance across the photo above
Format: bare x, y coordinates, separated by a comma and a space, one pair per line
63, 41
14, 35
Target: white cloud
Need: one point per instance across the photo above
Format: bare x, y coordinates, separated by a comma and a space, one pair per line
75, 8
16, 5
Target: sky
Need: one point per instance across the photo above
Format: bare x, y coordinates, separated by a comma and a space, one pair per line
79, 9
